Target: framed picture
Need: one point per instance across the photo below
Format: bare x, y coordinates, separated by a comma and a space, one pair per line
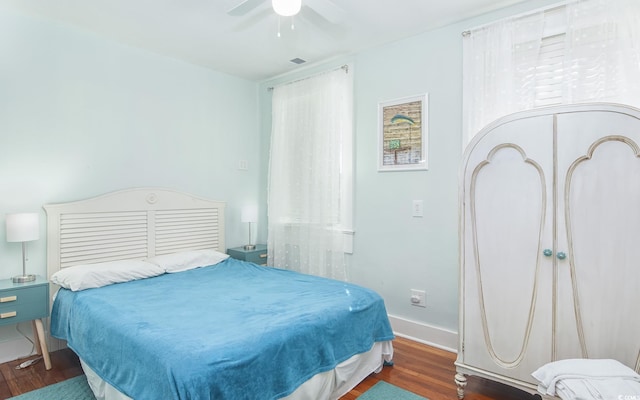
402, 134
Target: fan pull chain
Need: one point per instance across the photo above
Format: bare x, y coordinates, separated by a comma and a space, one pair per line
293, 26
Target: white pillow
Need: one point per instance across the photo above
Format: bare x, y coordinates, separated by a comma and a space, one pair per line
186, 260
80, 277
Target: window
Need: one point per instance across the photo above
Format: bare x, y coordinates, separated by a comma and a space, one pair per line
310, 174
584, 51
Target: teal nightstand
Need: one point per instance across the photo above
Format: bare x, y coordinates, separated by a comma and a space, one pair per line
257, 255
28, 301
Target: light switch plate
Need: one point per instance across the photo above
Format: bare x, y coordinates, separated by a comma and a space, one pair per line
417, 208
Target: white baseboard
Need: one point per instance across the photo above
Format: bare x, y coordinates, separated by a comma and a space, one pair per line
16, 343
431, 335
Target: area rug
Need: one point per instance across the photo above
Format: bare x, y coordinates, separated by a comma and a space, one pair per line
78, 389
72, 389
386, 391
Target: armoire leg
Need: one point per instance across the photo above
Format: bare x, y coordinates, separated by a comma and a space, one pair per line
461, 383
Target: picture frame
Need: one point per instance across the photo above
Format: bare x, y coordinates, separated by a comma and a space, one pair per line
403, 134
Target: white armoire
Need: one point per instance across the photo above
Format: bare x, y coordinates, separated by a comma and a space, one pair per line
550, 242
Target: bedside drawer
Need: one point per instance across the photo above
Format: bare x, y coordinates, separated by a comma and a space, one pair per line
259, 258
257, 255
23, 304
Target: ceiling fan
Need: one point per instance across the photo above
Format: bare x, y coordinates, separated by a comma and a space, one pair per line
325, 14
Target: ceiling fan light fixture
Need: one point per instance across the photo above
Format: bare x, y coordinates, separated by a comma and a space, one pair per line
286, 8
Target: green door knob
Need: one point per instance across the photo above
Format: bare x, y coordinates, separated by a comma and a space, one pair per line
561, 256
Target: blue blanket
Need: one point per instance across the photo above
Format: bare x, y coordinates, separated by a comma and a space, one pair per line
234, 330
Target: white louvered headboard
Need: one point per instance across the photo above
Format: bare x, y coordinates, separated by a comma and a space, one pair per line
131, 224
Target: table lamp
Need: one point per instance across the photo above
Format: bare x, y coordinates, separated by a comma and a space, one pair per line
249, 214
23, 227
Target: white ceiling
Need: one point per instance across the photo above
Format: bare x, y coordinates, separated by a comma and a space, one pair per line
203, 33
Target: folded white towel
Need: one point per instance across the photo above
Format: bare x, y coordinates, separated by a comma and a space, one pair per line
598, 389
587, 379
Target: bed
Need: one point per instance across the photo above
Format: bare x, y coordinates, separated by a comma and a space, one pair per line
173, 317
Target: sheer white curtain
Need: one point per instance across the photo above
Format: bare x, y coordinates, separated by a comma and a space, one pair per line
581, 51
499, 65
308, 167
602, 60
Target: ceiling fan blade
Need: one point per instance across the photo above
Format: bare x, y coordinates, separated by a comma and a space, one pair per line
328, 10
252, 20
324, 25
244, 7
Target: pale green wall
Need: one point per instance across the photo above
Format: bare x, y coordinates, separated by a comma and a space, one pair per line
394, 252
82, 115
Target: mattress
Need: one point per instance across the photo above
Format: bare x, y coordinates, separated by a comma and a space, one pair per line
330, 385
234, 330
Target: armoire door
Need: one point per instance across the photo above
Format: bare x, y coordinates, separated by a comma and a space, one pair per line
506, 227
598, 294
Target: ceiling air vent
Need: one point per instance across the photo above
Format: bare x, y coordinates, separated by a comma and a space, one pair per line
298, 61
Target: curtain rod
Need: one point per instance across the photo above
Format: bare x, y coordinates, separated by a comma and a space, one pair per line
344, 67
520, 15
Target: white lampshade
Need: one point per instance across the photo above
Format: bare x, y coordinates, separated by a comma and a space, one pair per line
249, 214
23, 227
286, 8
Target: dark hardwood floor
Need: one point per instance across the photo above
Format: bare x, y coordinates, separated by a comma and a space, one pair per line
429, 372
421, 369
14, 381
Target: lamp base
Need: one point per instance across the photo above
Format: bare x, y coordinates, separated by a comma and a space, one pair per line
249, 247
24, 278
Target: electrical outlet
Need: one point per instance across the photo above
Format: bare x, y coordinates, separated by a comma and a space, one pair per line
418, 298
243, 165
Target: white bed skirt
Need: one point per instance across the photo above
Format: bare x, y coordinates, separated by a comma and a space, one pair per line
330, 385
